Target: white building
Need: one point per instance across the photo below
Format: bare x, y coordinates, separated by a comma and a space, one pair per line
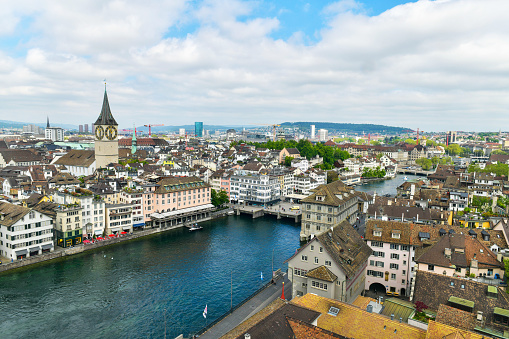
255, 189
119, 218
134, 197
323, 135
92, 212
182, 132
331, 265
24, 232
312, 132
54, 133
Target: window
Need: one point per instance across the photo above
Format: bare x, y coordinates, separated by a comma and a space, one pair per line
404, 262
404, 271
377, 233
321, 249
394, 266
393, 276
452, 283
318, 227
405, 247
316, 260
431, 267
394, 247
375, 273
377, 244
328, 263
403, 281
379, 254
396, 235
304, 258
394, 256
312, 248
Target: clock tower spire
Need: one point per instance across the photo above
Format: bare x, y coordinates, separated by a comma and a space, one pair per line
106, 136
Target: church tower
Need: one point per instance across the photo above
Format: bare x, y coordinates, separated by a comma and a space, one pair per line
134, 143
106, 136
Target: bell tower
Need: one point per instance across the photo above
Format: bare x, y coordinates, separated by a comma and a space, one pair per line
106, 136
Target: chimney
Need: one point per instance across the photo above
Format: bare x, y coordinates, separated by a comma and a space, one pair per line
247, 336
499, 257
447, 253
402, 217
417, 218
392, 316
474, 263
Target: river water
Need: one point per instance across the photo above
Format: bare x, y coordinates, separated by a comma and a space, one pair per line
387, 186
128, 290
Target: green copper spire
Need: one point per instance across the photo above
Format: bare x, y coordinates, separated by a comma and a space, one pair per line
134, 143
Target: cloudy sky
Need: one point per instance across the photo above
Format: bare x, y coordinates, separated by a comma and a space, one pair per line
434, 65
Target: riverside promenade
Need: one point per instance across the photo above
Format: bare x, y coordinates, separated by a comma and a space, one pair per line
280, 210
248, 308
60, 252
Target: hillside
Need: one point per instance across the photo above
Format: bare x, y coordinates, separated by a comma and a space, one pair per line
347, 128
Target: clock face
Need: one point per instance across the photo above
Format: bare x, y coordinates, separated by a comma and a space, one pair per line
111, 133
99, 132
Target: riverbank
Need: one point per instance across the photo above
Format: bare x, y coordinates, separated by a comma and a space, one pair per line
64, 252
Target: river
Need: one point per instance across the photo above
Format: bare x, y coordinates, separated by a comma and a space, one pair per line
128, 290
386, 186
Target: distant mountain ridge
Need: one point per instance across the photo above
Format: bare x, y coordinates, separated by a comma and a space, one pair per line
344, 127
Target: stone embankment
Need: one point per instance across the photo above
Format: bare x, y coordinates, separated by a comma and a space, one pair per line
63, 252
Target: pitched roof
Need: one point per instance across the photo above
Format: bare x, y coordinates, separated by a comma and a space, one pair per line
353, 322
334, 194
275, 325
436, 289
436, 330
176, 184
105, 118
303, 330
64, 179
455, 317
463, 250
322, 273
10, 213
81, 158
346, 247
19, 155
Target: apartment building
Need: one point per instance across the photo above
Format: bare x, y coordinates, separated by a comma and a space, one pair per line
329, 205
119, 218
391, 264
255, 189
134, 197
331, 265
24, 232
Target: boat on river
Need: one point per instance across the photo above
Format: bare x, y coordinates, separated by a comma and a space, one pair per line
195, 227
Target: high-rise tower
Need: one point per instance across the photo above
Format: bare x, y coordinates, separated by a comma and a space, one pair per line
106, 136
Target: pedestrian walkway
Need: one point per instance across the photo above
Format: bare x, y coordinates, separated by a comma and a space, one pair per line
251, 307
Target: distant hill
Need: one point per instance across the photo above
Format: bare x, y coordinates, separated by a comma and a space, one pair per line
347, 128
17, 124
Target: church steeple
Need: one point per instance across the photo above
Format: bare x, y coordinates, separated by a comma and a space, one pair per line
47, 122
106, 118
134, 142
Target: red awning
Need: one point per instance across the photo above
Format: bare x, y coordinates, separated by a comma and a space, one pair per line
100, 238
123, 232
111, 235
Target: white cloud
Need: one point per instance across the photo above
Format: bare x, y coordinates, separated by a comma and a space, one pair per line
437, 65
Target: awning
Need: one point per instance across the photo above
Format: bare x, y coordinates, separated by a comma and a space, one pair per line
126, 227
501, 311
47, 246
98, 232
33, 249
123, 232
462, 302
139, 225
21, 252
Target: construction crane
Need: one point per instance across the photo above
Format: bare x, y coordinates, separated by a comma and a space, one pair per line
274, 127
150, 128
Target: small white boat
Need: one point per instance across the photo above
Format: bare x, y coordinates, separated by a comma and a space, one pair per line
405, 178
194, 227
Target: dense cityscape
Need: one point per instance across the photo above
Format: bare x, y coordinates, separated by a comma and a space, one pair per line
428, 259
263, 169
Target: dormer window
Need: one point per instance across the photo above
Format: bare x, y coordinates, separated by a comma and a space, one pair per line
320, 198
377, 232
396, 234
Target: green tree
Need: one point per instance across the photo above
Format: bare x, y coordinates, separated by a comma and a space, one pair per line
288, 161
218, 199
425, 163
332, 176
410, 141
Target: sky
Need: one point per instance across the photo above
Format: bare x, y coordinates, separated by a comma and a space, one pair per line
434, 65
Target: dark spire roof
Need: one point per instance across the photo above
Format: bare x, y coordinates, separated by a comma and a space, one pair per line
106, 118
47, 123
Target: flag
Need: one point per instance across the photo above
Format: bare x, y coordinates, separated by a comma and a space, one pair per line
205, 312
261, 275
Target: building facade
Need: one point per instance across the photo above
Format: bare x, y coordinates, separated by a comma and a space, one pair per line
24, 232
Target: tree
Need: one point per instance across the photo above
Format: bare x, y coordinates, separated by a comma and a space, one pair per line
288, 161
410, 141
218, 199
332, 176
425, 163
